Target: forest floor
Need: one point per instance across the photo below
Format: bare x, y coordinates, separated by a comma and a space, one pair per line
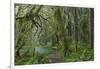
55, 57
83, 54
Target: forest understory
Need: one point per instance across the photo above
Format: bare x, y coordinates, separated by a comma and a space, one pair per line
53, 34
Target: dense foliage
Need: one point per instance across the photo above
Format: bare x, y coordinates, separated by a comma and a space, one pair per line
51, 34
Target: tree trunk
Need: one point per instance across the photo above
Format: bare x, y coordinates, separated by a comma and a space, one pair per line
76, 28
92, 28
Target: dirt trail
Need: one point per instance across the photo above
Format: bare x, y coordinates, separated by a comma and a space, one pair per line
55, 57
